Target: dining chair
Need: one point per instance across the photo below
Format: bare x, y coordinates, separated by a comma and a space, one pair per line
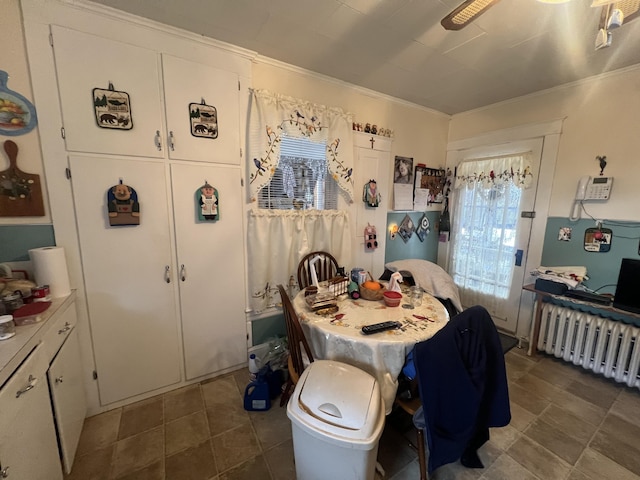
300, 355
326, 268
466, 395
411, 406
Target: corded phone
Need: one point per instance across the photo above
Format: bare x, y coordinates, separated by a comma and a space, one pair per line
598, 188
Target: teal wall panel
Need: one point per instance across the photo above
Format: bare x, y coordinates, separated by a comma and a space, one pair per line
397, 249
17, 240
602, 267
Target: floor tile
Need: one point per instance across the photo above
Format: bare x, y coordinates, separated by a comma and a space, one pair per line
506, 468
272, 427
95, 465
627, 405
569, 423
252, 469
555, 440
195, 463
526, 399
186, 432
538, 460
183, 401
598, 467
155, 471
99, 431
619, 440
134, 453
141, 416
280, 461
233, 447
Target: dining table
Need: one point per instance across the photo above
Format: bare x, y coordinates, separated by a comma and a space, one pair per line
338, 336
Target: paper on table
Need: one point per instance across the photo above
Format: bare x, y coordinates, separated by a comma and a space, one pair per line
402, 196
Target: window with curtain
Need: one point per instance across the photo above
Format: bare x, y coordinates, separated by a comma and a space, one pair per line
488, 194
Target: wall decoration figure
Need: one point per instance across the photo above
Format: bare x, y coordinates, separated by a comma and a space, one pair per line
423, 228
207, 203
17, 114
564, 234
204, 120
112, 108
598, 239
370, 194
406, 228
370, 237
123, 205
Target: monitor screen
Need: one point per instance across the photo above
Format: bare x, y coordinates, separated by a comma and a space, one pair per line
627, 295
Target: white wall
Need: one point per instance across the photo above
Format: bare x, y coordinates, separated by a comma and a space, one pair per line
600, 118
14, 62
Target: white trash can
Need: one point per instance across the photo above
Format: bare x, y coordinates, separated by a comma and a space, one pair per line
337, 417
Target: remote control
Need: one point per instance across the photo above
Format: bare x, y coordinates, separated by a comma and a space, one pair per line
380, 327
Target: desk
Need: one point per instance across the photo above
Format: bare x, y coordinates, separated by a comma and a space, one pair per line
381, 354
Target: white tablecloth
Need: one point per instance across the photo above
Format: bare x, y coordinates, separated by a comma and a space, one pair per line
381, 354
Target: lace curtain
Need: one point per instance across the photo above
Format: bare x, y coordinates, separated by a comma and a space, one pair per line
273, 115
487, 207
278, 239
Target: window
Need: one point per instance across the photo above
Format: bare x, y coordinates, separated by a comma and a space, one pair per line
301, 180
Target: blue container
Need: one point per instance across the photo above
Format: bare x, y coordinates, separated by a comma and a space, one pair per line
256, 396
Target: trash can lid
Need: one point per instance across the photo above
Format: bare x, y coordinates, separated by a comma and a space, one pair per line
339, 394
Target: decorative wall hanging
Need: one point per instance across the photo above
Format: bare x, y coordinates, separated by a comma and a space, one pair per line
20, 193
207, 203
370, 194
564, 234
17, 114
112, 108
597, 239
423, 228
370, 237
123, 205
406, 228
204, 120
431, 179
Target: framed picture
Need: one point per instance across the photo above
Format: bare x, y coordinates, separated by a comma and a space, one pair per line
403, 171
433, 180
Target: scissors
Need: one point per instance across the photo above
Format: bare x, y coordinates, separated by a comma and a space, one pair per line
422, 317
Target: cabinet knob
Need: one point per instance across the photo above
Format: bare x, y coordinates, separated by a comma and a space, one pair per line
59, 379
65, 329
4, 473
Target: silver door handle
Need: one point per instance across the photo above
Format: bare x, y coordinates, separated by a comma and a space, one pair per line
167, 274
157, 141
32, 383
171, 142
65, 329
183, 273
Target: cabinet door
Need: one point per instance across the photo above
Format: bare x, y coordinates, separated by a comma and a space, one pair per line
28, 446
129, 277
371, 165
67, 396
85, 62
216, 125
212, 293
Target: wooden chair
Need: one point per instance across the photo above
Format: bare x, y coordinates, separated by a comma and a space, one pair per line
411, 406
296, 361
326, 268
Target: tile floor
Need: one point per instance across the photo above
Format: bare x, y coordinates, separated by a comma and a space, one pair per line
567, 424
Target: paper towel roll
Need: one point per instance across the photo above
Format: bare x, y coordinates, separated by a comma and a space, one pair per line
50, 268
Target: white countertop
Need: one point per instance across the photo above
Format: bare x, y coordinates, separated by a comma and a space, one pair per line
15, 349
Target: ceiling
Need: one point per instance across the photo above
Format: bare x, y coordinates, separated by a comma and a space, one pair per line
399, 48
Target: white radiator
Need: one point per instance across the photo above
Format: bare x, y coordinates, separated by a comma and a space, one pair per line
605, 346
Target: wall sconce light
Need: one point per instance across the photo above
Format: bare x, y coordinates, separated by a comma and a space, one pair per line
393, 230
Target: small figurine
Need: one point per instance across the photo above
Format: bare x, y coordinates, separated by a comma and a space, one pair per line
371, 196
367, 128
123, 206
208, 202
374, 129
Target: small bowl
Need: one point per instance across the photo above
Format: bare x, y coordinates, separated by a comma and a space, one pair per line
392, 299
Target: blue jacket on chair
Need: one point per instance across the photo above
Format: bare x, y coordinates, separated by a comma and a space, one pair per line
463, 386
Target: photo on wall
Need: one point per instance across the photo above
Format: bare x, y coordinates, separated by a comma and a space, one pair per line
403, 171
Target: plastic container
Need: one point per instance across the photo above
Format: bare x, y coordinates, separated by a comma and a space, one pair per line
392, 299
254, 367
256, 396
7, 327
337, 417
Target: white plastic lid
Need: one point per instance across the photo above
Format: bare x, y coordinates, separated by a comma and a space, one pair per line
6, 318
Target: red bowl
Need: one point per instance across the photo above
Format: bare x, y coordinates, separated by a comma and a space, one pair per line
392, 299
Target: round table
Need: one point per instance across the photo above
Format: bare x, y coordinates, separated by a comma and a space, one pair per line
382, 354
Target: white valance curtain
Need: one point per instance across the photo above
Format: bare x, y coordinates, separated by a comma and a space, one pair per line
489, 171
278, 239
273, 115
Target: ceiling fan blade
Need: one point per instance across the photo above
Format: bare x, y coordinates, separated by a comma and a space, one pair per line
465, 13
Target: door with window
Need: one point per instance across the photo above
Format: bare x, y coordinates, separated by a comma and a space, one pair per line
494, 195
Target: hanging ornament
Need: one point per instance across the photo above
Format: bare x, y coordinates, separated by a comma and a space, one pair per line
123, 206
423, 228
203, 119
112, 108
370, 194
370, 237
17, 114
207, 203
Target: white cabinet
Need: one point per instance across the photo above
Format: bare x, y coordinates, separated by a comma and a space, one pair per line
66, 386
85, 62
28, 447
187, 83
128, 273
373, 160
211, 261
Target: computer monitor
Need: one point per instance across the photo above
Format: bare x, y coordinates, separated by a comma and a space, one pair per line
627, 296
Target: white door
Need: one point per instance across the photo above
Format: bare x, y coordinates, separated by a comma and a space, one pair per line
490, 237
129, 277
210, 259
202, 106
86, 62
67, 396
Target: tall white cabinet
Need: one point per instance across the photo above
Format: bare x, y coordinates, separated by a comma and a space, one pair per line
166, 298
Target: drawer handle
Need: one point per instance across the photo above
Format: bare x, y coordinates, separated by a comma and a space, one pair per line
4, 473
32, 383
167, 274
65, 329
171, 142
183, 273
157, 141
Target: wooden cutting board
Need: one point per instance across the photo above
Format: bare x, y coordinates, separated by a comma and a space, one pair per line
20, 192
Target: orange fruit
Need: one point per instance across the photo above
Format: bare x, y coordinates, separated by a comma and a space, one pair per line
372, 285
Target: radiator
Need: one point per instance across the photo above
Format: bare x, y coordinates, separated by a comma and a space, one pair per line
607, 347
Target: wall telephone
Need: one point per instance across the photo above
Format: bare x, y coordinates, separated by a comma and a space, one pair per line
596, 188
